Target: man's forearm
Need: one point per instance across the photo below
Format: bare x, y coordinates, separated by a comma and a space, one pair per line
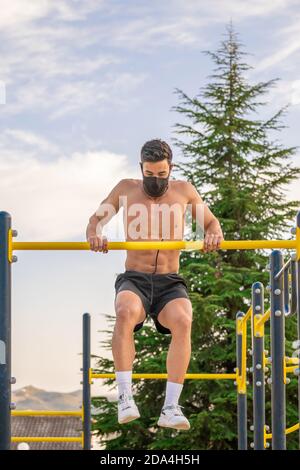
213, 236
214, 227
93, 224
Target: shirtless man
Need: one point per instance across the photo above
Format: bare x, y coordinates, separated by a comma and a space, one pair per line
151, 285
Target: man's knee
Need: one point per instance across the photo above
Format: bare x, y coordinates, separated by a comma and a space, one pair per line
182, 322
129, 312
176, 319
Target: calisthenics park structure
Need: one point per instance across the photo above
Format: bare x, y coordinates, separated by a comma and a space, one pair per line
284, 295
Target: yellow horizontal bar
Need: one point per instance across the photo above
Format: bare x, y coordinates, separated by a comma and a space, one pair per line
292, 428
157, 245
45, 413
291, 360
165, 376
45, 439
263, 319
291, 368
287, 431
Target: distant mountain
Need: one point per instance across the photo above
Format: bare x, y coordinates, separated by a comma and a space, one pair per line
32, 398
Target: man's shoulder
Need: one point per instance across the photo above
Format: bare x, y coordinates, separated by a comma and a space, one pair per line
181, 184
127, 182
186, 189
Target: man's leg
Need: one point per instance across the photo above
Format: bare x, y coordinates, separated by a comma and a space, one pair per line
177, 316
129, 311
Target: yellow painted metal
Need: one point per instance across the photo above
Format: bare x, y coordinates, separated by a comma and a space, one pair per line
265, 317
298, 243
10, 245
248, 315
239, 325
45, 413
158, 245
291, 368
265, 437
291, 360
45, 439
287, 431
258, 326
241, 379
265, 361
284, 370
292, 429
165, 376
287, 369
243, 383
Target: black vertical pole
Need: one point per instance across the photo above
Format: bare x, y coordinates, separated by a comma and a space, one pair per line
241, 393
277, 353
258, 367
5, 333
298, 304
86, 393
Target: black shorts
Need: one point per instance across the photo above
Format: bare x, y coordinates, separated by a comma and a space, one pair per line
154, 290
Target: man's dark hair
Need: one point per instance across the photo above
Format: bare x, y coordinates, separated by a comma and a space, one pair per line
155, 151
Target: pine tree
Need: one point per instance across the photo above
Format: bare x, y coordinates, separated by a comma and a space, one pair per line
240, 173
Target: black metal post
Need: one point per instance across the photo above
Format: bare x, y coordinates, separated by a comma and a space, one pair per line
277, 353
258, 366
86, 392
298, 306
241, 392
5, 334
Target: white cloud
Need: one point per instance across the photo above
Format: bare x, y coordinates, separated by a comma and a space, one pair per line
57, 57
15, 13
219, 10
52, 200
45, 64
64, 98
279, 56
29, 139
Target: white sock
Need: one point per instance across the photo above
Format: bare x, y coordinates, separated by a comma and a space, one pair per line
173, 392
124, 381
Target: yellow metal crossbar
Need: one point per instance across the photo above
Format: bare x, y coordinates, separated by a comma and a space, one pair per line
291, 368
45, 413
45, 439
157, 245
248, 315
287, 431
241, 329
165, 376
264, 318
291, 360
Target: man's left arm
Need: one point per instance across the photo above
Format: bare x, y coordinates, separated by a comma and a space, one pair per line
203, 215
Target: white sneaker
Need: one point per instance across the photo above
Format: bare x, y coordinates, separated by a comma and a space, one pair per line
172, 417
127, 409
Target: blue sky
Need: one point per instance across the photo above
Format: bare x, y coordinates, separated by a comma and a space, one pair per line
83, 86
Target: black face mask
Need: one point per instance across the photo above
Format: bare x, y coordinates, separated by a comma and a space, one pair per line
155, 186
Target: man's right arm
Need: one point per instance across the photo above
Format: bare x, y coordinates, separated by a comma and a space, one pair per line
106, 210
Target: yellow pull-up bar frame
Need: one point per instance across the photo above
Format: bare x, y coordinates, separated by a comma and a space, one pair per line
157, 245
